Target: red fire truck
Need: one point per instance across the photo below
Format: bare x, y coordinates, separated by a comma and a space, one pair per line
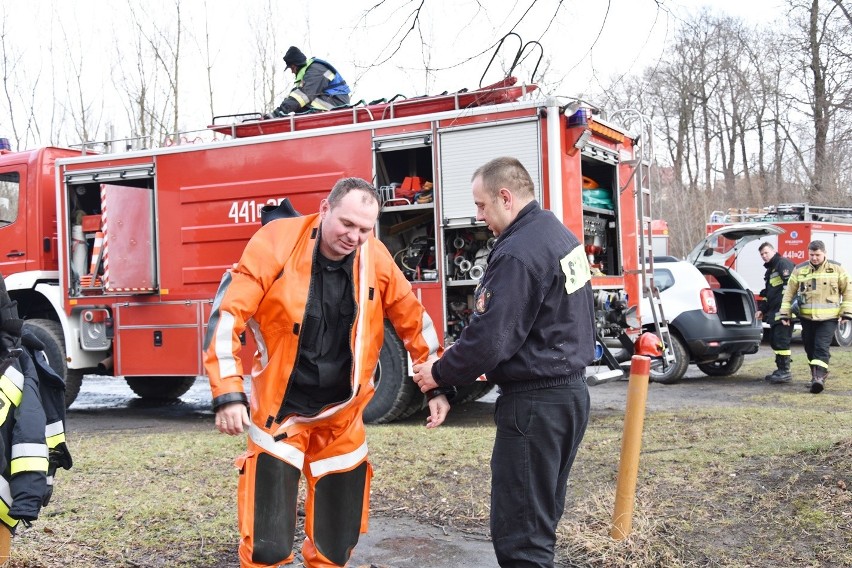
802, 223
114, 258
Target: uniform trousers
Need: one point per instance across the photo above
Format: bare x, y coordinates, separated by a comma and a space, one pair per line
816, 335
538, 433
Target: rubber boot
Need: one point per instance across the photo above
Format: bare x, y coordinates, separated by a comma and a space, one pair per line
774, 373
782, 374
818, 374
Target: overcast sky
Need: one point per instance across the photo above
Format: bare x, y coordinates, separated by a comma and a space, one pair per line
586, 43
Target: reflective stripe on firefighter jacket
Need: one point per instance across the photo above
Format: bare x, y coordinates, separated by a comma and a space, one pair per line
22, 426
821, 291
268, 291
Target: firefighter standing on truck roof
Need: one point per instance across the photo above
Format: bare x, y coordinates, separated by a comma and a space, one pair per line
821, 287
317, 290
778, 270
318, 85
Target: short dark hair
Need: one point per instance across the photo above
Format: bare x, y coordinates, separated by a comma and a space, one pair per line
817, 245
764, 245
505, 172
345, 185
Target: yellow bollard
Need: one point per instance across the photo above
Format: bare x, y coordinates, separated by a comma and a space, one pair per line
631, 443
5, 545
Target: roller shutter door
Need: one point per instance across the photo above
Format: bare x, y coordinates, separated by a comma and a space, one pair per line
463, 150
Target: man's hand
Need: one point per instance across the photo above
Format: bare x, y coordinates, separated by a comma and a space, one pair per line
438, 409
423, 376
785, 321
232, 419
758, 315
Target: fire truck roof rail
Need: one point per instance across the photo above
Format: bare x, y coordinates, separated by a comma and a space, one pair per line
784, 212
252, 124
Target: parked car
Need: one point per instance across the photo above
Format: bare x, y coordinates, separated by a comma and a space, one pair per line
709, 307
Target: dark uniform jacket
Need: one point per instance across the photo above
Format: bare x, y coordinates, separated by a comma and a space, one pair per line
533, 319
32, 416
778, 271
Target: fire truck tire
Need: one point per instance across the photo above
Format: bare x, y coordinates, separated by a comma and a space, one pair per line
843, 335
469, 393
50, 334
73, 382
676, 370
160, 387
396, 394
723, 368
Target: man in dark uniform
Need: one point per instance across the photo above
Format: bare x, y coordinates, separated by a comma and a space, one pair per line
532, 333
778, 270
318, 85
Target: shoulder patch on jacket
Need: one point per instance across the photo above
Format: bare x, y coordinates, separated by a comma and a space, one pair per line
483, 298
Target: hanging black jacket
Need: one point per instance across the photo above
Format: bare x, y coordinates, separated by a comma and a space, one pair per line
23, 485
32, 420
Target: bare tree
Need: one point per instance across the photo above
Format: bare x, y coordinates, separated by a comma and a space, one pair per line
157, 112
138, 79
77, 101
265, 82
823, 55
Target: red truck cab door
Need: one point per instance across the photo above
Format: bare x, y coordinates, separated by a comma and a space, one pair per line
13, 221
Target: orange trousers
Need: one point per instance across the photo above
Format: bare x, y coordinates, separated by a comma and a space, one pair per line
333, 459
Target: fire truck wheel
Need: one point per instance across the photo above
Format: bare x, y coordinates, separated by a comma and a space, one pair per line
723, 368
160, 387
676, 370
50, 334
73, 382
843, 335
469, 393
396, 395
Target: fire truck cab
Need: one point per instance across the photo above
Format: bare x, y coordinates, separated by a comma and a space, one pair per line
115, 258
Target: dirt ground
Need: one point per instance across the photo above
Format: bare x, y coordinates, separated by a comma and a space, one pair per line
394, 541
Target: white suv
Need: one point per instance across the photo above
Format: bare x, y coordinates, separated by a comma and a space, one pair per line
709, 307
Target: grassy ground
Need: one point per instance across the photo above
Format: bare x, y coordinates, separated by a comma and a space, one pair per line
763, 483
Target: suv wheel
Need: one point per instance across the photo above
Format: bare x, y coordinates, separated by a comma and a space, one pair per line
843, 335
676, 370
724, 367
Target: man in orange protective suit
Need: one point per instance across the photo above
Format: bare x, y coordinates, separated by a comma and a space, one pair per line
315, 291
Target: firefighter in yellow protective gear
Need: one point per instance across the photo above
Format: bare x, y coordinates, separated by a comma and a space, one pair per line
820, 287
315, 291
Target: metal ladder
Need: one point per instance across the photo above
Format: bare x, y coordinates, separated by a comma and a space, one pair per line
643, 153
